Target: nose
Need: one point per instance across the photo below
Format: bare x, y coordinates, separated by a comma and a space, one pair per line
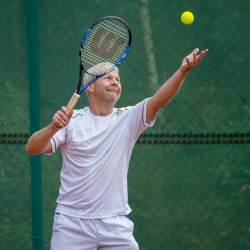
114, 82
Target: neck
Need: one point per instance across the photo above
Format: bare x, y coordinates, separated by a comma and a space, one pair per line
100, 111
102, 106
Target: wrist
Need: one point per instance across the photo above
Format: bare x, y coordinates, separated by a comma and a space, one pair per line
54, 128
183, 71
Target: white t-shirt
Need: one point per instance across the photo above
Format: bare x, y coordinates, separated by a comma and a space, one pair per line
96, 151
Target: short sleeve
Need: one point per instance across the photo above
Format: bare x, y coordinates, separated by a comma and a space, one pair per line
137, 118
58, 139
151, 124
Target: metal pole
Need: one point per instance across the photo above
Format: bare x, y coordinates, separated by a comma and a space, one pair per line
34, 106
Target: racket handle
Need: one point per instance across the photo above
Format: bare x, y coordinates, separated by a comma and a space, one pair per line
74, 99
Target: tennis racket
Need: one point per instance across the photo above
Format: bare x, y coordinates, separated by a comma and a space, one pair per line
107, 40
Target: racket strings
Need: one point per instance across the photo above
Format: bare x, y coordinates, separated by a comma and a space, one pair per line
106, 42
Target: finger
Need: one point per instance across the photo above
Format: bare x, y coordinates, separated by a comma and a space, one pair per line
71, 114
61, 116
202, 54
195, 51
64, 110
59, 121
205, 52
188, 61
63, 121
195, 58
57, 125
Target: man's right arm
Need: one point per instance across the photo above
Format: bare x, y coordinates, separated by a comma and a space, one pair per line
39, 142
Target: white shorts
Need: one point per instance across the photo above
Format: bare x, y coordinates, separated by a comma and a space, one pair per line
70, 233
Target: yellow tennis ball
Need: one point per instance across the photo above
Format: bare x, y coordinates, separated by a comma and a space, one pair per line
187, 17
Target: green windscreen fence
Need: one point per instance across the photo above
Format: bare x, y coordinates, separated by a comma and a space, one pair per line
189, 176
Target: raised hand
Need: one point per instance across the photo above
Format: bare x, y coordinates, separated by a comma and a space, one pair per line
192, 60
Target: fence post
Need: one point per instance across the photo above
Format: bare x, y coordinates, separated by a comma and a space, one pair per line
33, 72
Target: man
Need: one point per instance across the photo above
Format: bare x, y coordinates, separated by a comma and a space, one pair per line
96, 144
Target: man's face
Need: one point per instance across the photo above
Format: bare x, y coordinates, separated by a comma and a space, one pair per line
108, 87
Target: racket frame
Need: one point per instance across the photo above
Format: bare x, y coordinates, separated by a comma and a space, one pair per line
117, 64
74, 99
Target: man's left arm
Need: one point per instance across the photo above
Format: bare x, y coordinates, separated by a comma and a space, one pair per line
170, 88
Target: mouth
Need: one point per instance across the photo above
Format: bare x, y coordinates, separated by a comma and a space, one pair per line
112, 90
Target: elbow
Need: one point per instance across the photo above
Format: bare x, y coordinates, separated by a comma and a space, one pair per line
29, 150
160, 104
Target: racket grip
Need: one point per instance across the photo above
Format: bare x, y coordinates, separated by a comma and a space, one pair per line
74, 99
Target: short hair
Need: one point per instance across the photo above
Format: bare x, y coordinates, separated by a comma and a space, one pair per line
98, 69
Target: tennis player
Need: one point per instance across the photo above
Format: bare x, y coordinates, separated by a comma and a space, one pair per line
96, 144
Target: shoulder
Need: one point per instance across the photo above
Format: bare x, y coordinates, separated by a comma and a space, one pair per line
119, 111
77, 117
79, 113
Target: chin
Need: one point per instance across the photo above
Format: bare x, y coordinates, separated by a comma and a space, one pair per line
114, 98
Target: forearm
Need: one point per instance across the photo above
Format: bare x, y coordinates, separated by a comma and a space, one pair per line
168, 90
173, 84
39, 142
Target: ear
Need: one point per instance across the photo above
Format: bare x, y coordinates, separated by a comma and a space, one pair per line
90, 88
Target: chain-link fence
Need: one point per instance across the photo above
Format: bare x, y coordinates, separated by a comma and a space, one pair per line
189, 178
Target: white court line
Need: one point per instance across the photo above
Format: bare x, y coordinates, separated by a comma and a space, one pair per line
149, 47
148, 43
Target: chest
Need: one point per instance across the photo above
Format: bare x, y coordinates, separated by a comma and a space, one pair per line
91, 135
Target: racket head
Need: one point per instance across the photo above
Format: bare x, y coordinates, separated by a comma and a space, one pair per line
107, 40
